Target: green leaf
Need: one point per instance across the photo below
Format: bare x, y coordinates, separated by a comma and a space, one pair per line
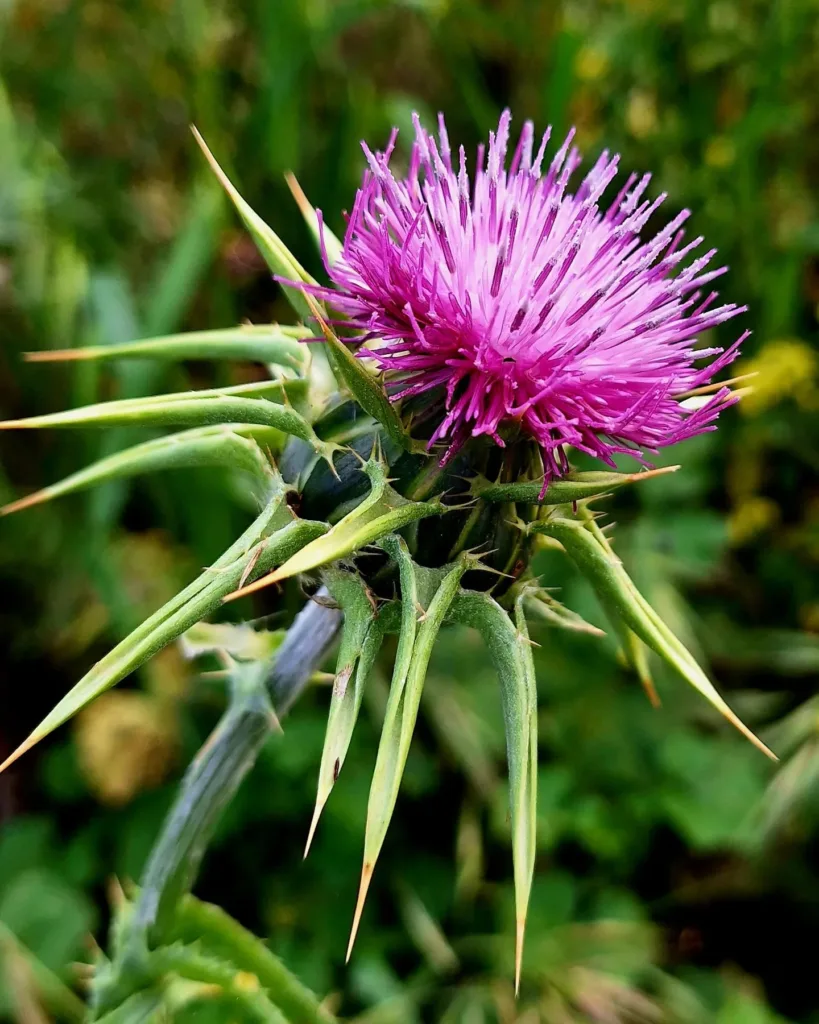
240, 640
520, 716
56, 913
570, 488
275, 253
272, 539
268, 343
331, 243
139, 1008
382, 512
232, 445
588, 549
541, 603
246, 403
366, 389
415, 647
509, 647
360, 641
195, 920
191, 963
633, 652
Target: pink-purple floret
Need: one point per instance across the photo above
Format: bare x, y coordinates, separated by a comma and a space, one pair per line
524, 303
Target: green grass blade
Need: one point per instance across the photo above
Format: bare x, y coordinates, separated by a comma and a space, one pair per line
399, 721
360, 640
232, 445
264, 344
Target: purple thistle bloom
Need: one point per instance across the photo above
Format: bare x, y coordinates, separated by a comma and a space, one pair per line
524, 304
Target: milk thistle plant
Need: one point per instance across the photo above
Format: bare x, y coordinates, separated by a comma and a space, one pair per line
480, 326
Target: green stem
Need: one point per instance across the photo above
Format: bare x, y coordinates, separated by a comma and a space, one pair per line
208, 786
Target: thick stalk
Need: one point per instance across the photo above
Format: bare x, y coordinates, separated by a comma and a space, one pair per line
260, 696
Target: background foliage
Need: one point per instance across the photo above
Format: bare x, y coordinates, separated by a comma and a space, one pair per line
677, 874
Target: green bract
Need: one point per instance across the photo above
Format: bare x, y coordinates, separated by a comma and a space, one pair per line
349, 498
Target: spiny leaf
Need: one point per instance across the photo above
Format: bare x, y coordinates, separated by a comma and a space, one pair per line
190, 962
382, 512
125, 410
362, 385
360, 639
509, 647
520, 714
139, 1008
231, 445
367, 391
634, 654
322, 235
275, 253
260, 549
205, 922
240, 640
268, 343
194, 408
541, 603
625, 604
570, 488
402, 711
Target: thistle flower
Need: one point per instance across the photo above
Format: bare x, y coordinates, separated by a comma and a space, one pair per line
526, 307
524, 312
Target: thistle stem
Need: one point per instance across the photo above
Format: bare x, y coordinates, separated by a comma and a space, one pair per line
208, 787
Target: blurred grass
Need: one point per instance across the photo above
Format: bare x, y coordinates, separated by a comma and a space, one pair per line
663, 841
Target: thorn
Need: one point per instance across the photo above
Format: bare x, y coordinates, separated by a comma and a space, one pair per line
715, 386
251, 588
648, 474
115, 892
17, 424
366, 878
251, 565
25, 746
651, 692
520, 929
313, 826
297, 193
30, 499
58, 355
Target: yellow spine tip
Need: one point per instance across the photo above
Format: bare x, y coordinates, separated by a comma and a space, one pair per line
364, 885
519, 934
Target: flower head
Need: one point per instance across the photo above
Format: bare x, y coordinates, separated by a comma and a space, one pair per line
528, 306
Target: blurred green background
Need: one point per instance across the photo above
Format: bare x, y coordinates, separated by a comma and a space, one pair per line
678, 873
